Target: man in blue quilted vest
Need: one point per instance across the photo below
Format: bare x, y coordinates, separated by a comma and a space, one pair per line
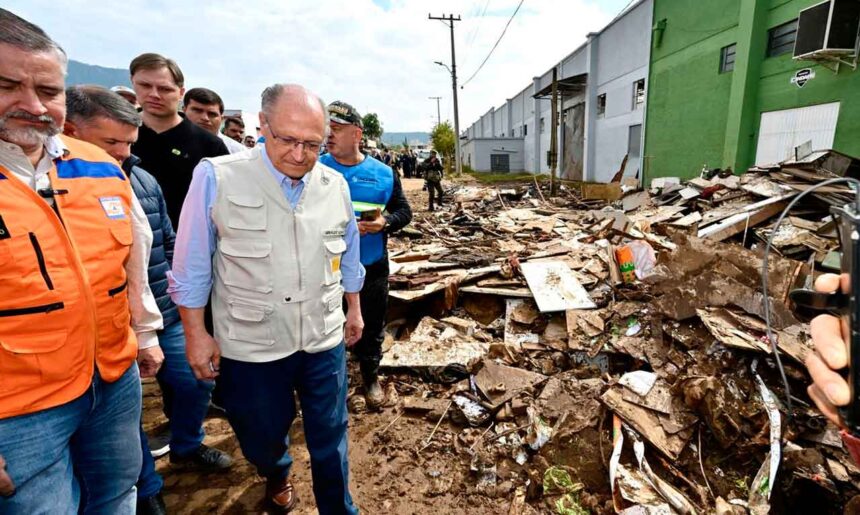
105, 119
382, 209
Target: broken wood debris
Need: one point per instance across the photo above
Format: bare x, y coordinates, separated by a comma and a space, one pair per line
531, 376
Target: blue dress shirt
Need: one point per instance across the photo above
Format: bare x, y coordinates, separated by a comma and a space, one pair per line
191, 277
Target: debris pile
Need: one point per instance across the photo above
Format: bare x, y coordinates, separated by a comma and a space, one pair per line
609, 356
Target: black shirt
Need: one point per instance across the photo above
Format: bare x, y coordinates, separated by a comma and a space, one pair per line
171, 157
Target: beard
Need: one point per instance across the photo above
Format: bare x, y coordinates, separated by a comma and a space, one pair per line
30, 136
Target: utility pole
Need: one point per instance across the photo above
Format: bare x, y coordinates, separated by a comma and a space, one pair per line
451, 19
438, 112
553, 138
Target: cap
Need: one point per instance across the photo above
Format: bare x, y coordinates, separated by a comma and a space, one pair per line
123, 89
341, 112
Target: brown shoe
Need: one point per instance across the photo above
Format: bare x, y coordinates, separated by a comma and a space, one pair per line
280, 494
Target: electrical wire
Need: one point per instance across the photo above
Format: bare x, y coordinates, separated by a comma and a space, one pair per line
496, 45
470, 39
764, 270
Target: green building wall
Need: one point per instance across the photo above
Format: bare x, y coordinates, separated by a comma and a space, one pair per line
698, 116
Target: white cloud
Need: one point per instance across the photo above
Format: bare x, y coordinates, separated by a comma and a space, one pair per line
379, 60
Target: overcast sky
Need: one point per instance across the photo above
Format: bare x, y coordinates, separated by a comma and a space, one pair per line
375, 54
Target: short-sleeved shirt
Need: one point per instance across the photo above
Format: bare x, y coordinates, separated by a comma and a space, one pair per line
171, 156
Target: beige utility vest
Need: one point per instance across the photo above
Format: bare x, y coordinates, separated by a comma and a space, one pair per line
277, 280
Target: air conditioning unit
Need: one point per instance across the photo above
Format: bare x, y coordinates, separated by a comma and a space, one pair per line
828, 30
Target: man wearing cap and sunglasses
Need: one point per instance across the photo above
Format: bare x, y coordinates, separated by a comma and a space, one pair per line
382, 208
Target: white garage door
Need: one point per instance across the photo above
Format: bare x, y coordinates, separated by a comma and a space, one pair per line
781, 131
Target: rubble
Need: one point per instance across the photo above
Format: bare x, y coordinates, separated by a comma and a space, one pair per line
555, 358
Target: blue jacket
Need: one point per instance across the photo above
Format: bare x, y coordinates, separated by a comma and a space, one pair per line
148, 192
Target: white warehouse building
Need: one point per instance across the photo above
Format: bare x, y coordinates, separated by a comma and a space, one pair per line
602, 106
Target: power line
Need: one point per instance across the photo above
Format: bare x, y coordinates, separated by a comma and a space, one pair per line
474, 33
497, 43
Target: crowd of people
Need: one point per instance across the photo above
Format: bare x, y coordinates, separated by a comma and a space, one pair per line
138, 240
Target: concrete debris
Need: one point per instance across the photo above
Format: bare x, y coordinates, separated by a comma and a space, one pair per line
513, 309
435, 344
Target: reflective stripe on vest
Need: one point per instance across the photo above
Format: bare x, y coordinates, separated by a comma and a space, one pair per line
63, 302
371, 184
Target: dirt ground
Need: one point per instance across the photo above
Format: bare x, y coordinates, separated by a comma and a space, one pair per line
389, 471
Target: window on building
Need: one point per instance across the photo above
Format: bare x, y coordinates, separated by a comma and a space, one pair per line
780, 40
601, 105
727, 58
525, 130
638, 94
542, 125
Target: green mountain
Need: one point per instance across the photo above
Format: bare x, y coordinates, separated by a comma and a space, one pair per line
82, 73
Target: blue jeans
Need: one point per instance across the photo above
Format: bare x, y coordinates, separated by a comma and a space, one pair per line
260, 405
189, 402
81, 456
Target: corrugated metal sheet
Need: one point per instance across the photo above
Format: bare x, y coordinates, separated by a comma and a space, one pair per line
781, 131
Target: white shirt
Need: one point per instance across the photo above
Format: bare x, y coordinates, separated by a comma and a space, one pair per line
145, 316
233, 146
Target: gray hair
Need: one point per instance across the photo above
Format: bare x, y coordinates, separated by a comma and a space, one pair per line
20, 33
84, 103
274, 92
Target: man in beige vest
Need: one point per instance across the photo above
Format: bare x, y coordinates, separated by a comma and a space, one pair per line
271, 233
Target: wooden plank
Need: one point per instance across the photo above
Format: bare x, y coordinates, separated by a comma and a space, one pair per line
608, 192
523, 293
647, 423
738, 223
451, 277
687, 221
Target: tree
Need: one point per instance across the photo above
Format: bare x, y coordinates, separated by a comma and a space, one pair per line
444, 142
372, 126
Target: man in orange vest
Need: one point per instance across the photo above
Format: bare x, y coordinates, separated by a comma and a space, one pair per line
74, 299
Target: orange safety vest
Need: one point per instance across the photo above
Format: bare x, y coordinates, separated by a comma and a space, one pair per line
63, 287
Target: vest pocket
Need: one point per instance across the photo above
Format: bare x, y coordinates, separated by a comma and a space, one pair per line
246, 213
333, 317
247, 264
26, 361
122, 234
334, 250
249, 323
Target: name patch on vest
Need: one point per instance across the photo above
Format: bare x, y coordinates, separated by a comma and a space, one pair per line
113, 207
334, 233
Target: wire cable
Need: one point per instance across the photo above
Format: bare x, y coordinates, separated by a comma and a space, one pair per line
496, 45
474, 34
764, 270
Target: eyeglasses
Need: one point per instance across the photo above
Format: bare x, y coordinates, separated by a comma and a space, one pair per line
309, 147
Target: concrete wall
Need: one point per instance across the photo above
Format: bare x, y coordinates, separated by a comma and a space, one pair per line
478, 152
622, 59
574, 64
498, 123
697, 115
545, 107
613, 59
